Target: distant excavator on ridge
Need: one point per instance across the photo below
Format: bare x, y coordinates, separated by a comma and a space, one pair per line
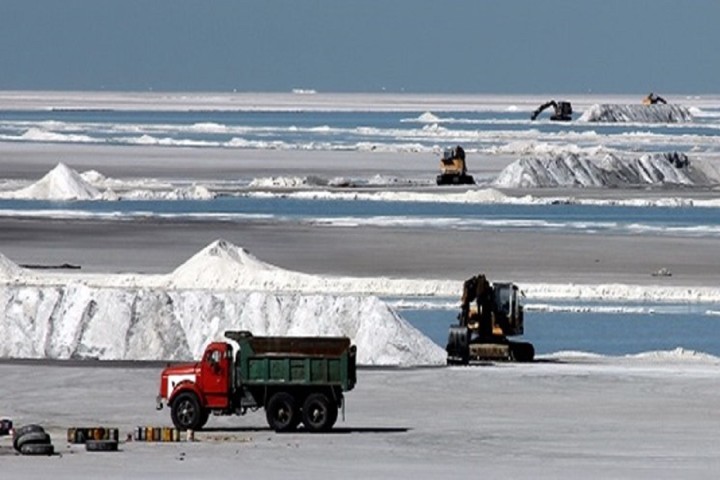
562, 111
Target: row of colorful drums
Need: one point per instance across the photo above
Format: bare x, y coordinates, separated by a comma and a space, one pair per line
82, 434
157, 434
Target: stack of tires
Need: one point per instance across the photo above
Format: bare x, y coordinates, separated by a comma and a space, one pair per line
33, 440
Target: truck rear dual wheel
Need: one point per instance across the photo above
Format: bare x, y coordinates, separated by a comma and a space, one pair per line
319, 413
282, 412
187, 413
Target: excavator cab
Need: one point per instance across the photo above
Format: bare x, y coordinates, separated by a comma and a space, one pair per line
489, 314
453, 169
508, 316
562, 111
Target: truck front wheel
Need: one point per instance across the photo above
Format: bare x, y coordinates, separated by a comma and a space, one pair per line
319, 413
187, 413
282, 412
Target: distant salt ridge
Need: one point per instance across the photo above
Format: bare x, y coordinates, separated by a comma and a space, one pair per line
572, 170
658, 113
62, 183
76, 321
660, 357
222, 266
679, 354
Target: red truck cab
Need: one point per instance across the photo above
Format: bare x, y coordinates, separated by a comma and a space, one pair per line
209, 380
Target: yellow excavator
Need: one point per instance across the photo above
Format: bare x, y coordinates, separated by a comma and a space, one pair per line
653, 99
453, 169
562, 111
489, 313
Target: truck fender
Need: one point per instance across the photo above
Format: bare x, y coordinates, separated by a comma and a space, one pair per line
186, 386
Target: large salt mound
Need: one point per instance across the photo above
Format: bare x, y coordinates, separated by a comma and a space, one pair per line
60, 183
571, 170
658, 113
561, 170
144, 324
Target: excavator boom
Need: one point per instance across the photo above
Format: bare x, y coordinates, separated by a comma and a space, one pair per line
562, 111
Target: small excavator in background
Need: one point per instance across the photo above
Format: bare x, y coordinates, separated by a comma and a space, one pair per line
562, 111
453, 169
653, 99
489, 313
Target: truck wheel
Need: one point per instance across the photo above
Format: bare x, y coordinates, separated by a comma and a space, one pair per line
318, 413
282, 412
186, 412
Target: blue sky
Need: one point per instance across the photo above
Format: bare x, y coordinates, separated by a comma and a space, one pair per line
467, 46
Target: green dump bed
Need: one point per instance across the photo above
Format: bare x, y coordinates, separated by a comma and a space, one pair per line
299, 361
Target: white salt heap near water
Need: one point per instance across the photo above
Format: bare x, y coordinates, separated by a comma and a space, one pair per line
73, 320
658, 113
60, 183
573, 170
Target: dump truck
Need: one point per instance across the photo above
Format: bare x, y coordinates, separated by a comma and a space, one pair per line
489, 314
453, 169
295, 379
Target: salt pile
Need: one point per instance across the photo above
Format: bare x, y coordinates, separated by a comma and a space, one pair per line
72, 319
60, 183
77, 321
572, 170
658, 113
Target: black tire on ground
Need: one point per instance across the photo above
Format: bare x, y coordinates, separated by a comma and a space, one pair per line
27, 429
187, 413
101, 445
282, 413
37, 449
31, 438
319, 413
23, 430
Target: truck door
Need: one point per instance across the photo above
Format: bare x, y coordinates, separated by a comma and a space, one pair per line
216, 371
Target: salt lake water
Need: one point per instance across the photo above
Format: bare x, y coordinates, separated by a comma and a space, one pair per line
598, 332
589, 219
